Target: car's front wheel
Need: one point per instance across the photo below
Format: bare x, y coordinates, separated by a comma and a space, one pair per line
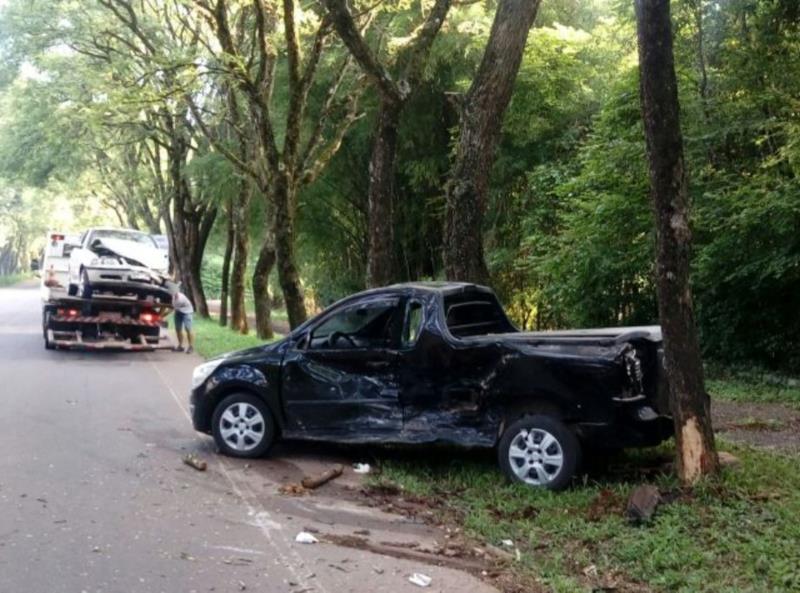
539, 451
85, 285
243, 426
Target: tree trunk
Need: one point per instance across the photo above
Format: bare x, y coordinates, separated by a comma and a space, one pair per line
261, 298
670, 202
226, 267
481, 121
241, 253
288, 275
380, 258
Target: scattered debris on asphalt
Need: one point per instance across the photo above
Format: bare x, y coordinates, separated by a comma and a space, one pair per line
237, 561
420, 580
195, 462
362, 468
642, 503
304, 537
312, 482
293, 489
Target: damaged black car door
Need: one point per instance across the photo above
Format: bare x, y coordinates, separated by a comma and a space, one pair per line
340, 377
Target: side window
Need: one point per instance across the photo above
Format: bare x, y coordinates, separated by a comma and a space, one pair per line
413, 324
363, 325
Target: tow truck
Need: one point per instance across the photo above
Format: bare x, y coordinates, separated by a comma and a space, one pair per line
101, 322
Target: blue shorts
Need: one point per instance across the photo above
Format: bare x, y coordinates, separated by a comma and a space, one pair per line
183, 321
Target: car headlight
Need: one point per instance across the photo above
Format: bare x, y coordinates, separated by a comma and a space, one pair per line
203, 372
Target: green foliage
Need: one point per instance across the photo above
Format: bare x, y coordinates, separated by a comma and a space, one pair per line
569, 233
12, 279
696, 543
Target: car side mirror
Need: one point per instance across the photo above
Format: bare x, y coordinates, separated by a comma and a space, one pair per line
302, 342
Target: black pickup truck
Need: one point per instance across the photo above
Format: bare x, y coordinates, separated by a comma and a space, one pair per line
440, 362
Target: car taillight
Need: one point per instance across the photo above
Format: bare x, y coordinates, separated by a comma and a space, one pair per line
68, 312
147, 317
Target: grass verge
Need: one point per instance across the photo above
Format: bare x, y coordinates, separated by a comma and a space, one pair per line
738, 534
12, 279
211, 339
752, 387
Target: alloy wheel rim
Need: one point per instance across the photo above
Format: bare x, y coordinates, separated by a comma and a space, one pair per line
536, 457
241, 426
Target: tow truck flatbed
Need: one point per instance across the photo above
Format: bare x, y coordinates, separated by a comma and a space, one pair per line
102, 322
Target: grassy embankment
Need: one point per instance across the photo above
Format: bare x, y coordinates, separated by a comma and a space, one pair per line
12, 279
211, 339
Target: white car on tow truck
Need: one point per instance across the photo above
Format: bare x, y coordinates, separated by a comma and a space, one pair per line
122, 262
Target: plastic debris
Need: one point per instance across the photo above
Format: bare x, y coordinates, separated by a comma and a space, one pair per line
507, 542
304, 537
361, 468
420, 580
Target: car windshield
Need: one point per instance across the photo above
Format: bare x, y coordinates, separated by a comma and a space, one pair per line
121, 235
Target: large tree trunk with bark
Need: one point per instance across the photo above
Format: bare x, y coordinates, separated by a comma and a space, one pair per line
261, 296
288, 274
241, 252
394, 95
226, 267
481, 121
190, 229
669, 197
380, 254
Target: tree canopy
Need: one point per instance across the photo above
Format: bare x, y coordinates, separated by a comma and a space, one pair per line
178, 116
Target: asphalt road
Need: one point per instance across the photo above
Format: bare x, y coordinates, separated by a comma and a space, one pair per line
94, 497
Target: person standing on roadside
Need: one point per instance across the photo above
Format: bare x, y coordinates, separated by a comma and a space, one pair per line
183, 320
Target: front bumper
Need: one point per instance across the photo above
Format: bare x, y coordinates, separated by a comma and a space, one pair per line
126, 280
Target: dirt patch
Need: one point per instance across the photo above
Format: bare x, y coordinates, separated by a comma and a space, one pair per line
764, 425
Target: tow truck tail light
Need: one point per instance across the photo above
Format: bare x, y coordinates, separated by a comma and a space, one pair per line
67, 312
56, 237
148, 317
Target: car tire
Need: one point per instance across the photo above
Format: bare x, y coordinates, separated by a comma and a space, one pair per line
243, 426
85, 287
48, 345
539, 451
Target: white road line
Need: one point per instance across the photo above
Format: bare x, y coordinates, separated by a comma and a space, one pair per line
253, 508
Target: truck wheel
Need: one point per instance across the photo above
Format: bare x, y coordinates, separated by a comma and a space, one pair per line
85, 287
48, 345
243, 426
539, 451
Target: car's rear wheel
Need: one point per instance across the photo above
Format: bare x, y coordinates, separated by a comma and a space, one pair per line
539, 451
243, 426
45, 327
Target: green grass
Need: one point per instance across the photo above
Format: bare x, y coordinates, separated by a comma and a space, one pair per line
211, 339
12, 279
728, 536
752, 386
